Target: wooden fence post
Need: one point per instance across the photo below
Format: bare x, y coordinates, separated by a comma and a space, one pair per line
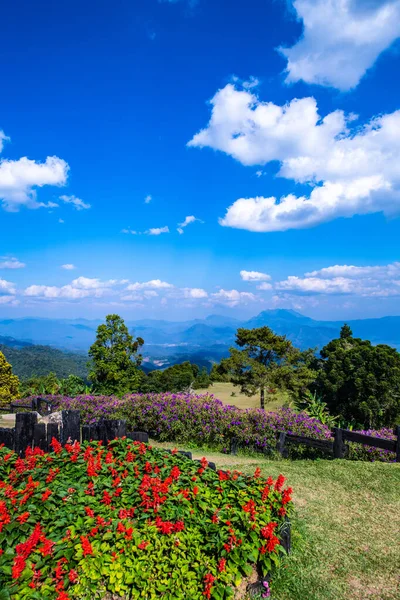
338, 446
234, 446
71, 426
24, 431
280, 444
397, 432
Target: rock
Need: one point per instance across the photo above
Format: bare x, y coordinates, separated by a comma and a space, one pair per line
55, 417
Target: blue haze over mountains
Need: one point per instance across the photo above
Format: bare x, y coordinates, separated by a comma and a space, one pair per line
201, 340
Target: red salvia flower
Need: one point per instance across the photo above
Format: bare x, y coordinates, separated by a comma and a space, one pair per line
86, 546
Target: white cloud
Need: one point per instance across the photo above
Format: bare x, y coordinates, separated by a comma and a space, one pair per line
157, 230
196, 293
148, 199
76, 202
20, 178
68, 267
88, 283
368, 281
233, 297
10, 300
351, 170
186, 222
155, 284
81, 287
264, 286
315, 285
6, 287
341, 40
61, 221
131, 231
9, 262
254, 276
3, 138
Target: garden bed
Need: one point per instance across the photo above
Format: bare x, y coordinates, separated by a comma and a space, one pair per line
133, 521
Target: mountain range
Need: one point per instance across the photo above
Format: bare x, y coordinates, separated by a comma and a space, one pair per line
200, 340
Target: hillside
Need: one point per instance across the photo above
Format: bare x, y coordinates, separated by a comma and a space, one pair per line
40, 360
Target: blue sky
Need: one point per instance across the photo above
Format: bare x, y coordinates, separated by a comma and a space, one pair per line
267, 128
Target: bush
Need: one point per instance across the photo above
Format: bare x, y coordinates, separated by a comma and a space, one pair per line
361, 452
130, 521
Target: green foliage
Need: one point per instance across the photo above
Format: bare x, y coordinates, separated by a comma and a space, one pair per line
267, 362
37, 361
9, 383
50, 384
130, 521
359, 381
115, 360
315, 407
176, 378
219, 374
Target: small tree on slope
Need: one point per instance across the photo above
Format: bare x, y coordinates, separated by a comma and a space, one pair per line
9, 383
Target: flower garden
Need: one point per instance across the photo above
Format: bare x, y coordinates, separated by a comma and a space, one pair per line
130, 521
204, 421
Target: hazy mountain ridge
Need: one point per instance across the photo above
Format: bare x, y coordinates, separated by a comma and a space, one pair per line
200, 340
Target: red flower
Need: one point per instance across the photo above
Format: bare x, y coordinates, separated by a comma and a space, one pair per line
106, 498
23, 518
257, 473
268, 531
143, 545
195, 490
18, 566
208, 581
55, 444
46, 495
63, 596
175, 472
89, 511
221, 565
72, 576
279, 483
86, 546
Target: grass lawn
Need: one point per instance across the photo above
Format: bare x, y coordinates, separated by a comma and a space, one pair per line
223, 392
346, 530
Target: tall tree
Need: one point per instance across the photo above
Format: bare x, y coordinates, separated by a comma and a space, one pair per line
9, 383
265, 362
359, 381
115, 360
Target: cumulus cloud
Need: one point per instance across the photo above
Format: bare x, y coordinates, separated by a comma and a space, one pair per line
254, 276
264, 286
196, 293
8, 262
368, 281
9, 300
350, 170
76, 202
20, 178
6, 287
68, 267
233, 297
157, 230
148, 199
155, 284
81, 287
341, 40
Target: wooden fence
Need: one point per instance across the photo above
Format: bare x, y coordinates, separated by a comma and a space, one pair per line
337, 447
28, 432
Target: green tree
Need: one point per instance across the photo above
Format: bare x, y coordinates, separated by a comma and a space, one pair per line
359, 381
9, 383
176, 378
266, 362
115, 362
346, 332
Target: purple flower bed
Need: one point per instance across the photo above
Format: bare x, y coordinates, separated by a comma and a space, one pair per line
203, 420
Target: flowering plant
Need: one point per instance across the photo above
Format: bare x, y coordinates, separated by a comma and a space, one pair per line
127, 519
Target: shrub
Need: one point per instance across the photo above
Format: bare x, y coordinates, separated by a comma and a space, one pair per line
362, 452
129, 520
